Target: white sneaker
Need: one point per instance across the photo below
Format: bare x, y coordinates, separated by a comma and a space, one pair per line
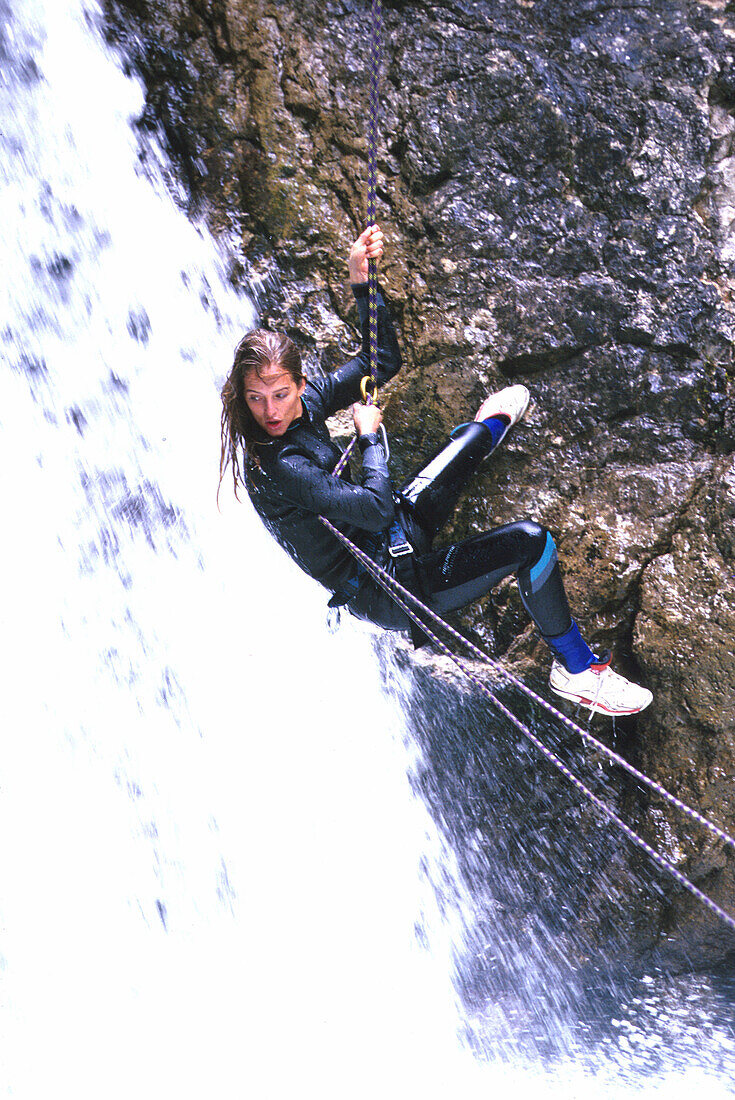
511, 402
599, 688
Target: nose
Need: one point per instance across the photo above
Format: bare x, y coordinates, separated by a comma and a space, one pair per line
270, 409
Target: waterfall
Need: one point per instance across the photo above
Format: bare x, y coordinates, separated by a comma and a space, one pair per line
215, 876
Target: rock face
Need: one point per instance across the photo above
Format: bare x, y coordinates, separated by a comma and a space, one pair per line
557, 183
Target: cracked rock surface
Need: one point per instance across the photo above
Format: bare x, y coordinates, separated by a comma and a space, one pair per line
557, 183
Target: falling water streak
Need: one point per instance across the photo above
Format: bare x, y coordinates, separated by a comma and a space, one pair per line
189, 892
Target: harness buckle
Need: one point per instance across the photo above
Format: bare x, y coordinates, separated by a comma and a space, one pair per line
400, 549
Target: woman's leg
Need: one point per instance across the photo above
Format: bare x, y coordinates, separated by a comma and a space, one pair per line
459, 574
432, 492
464, 572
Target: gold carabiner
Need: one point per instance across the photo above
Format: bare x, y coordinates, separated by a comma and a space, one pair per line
367, 381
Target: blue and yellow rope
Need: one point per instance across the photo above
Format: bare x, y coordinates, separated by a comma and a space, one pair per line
373, 121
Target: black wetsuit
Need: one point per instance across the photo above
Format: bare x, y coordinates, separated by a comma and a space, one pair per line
295, 485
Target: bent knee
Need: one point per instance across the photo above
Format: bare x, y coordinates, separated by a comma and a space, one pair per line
536, 541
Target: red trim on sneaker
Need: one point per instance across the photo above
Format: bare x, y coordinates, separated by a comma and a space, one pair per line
602, 662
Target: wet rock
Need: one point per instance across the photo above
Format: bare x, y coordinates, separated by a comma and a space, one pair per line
557, 183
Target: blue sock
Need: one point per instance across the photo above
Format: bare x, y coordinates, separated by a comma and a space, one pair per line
498, 426
572, 650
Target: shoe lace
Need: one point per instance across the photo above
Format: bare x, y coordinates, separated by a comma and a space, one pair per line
612, 685
601, 667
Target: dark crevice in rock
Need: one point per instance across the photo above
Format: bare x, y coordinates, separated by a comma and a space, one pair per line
637, 339
427, 185
520, 366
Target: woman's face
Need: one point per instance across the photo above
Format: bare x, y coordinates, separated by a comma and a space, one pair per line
274, 398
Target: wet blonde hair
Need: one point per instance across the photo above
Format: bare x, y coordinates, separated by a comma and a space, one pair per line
257, 351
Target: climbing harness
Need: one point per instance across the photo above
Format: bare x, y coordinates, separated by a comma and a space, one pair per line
420, 614
398, 544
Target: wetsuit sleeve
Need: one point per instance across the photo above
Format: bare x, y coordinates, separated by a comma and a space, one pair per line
342, 388
368, 506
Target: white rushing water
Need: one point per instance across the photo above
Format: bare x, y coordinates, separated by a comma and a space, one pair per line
210, 865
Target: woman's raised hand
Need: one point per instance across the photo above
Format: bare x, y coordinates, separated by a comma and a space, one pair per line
368, 418
368, 246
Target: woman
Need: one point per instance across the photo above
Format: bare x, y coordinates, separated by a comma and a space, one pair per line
274, 417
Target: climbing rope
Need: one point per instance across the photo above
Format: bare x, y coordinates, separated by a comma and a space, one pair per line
404, 598
367, 385
397, 591
373, 119
376, 54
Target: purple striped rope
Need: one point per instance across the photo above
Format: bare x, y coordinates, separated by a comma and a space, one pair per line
373, 119
396, 591
568, 722
344, 457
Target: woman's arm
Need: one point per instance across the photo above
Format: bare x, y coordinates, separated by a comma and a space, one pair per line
342, 388
369, 505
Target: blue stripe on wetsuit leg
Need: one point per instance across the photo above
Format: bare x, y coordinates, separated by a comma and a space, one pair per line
540, 571
496, 425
